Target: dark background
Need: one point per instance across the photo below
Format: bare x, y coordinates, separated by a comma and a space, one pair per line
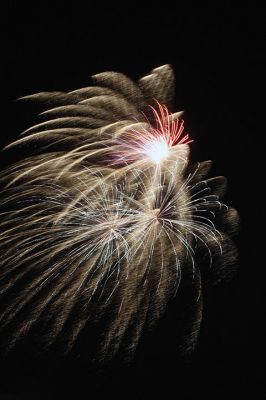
217, 54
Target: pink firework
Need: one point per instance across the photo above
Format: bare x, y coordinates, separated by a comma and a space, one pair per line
153, 142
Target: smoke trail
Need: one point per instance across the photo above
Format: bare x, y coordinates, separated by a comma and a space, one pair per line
106, 221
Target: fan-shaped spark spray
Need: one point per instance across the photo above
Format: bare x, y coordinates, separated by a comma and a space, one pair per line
105, 222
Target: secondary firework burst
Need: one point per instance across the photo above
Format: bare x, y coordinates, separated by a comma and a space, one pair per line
105, 221
150, 143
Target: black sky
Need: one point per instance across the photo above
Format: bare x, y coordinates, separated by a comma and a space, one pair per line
217, 52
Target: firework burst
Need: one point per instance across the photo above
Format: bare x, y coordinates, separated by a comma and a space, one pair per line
106, 220
150, 143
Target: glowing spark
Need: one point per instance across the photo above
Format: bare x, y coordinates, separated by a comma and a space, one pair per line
157, 150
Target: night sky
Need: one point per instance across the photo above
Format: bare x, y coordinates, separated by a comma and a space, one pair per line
217, 55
